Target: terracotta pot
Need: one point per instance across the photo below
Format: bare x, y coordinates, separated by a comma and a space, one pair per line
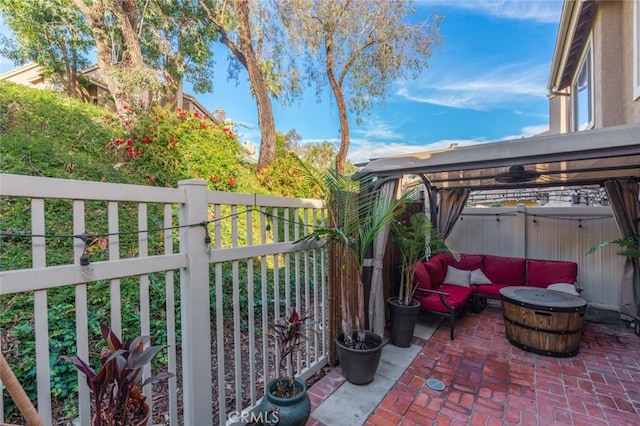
146, 418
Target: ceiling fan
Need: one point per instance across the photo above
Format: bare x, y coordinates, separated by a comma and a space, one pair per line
516, 174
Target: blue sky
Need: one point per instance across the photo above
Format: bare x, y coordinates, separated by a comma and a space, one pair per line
487, 83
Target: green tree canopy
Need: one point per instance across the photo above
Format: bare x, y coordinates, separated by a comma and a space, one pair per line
359, 49
53, 34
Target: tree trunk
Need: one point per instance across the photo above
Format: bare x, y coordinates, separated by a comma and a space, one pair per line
341, 157
259, 86
131, 65
127, 14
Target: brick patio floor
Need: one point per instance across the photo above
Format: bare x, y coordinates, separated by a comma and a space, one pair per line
491, 382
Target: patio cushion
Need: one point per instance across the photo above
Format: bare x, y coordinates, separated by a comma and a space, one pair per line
507, 270
478, 277
421, 276
492, 290
457, 276
564, 287
469, 262
458, 297
445, 259
541, 273
437, 271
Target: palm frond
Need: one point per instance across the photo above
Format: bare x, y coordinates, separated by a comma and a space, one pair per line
630, 246
357, 215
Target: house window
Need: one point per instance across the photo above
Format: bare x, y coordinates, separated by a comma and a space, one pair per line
636, 49
583, 94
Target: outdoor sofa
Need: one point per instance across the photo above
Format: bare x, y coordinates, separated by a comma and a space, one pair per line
448, 286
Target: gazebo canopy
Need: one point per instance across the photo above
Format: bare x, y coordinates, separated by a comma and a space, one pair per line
608, 157
579, 158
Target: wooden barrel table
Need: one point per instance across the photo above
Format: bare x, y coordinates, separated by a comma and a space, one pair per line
547, 322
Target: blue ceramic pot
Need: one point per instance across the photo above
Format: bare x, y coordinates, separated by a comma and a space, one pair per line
285, 411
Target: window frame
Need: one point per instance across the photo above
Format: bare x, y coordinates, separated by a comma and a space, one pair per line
636, 49
587, 58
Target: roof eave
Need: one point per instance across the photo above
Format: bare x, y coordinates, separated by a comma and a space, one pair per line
566, 30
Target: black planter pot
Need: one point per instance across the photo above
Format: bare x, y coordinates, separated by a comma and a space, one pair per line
403, 321
285, 411
359, 366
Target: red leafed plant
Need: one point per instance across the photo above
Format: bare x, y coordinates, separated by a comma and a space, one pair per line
290, 332
117, 385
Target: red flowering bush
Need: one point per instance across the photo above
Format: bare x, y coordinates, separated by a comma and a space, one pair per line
163, 147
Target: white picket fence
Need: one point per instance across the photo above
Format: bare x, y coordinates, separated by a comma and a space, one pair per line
238, 264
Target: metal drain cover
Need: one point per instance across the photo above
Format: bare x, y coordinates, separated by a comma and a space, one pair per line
435, 384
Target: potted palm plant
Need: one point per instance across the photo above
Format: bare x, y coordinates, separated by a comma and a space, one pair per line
356, 216
285, 400
415, 241
629, 248
116, 387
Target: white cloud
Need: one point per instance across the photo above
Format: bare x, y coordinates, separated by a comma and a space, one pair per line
470, 89
527, 132
542, 11
374, 128
361, 151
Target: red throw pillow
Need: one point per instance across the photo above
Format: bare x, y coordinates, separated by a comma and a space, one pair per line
421, 276
541, 273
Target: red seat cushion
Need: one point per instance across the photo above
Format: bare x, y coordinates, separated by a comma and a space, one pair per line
541, 273
501, 269
458, 297
469, 262
421, 276
490, 290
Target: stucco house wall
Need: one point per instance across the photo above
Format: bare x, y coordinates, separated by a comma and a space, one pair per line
610, 35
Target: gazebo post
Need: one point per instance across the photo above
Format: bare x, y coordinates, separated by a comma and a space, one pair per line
433, 201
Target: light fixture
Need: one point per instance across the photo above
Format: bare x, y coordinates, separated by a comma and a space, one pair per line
516, 174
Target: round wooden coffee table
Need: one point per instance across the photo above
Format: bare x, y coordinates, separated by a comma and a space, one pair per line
543, 321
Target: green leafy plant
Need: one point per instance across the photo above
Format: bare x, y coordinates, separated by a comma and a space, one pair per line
116, 386
415, 241
356, 216
629, 246
290, 331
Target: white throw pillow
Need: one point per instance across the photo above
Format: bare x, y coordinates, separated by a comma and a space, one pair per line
564, 287
478, 277
457, 277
